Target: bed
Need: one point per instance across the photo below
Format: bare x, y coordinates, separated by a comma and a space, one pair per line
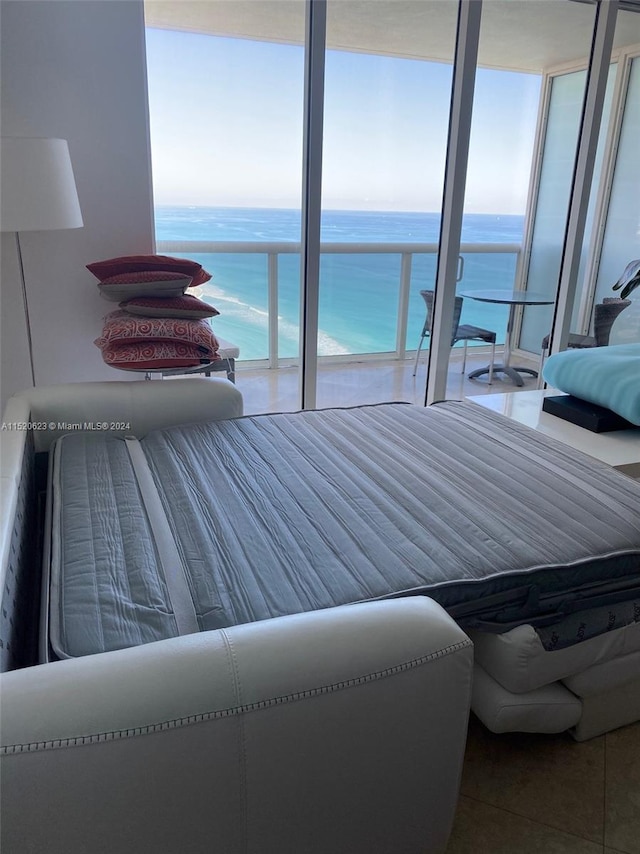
251, 735
533, 548
289, 513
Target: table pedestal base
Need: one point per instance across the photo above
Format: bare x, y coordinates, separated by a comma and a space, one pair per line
510, 370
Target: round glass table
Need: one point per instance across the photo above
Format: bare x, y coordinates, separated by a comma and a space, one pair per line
512, 299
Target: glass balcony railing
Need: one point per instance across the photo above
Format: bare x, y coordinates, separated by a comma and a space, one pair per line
370, 304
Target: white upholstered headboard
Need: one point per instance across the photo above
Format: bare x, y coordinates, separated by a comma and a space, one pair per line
32, 420
143, 406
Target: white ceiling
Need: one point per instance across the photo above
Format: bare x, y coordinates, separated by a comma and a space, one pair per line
524, 35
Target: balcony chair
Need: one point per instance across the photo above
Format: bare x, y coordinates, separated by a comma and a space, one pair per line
604, 314
461, 332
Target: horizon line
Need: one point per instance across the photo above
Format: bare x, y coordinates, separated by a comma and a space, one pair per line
324, 210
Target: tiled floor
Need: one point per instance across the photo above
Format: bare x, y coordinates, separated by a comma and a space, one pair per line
369, 381
542, 794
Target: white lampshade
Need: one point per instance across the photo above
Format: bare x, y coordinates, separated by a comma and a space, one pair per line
37, 188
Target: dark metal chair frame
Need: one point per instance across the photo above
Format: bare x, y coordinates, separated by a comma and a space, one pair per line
461, 332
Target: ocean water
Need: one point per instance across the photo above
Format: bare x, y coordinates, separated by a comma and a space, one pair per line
358, 292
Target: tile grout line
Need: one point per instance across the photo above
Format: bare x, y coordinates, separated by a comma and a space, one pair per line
535, 821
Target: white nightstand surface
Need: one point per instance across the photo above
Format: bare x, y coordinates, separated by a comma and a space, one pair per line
619, 448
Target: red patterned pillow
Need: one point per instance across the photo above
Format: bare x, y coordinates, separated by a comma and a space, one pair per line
149, 283
122, 328
142, 263
186, 306
154, 355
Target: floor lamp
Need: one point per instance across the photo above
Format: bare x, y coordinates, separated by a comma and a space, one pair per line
37, 193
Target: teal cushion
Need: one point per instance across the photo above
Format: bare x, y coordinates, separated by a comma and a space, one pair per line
606, 376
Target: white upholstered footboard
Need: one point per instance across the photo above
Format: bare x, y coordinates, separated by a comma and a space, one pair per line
337, 731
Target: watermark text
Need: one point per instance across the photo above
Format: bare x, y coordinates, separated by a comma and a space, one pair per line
67, 426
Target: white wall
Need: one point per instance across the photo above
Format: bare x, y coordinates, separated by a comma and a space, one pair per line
74, 69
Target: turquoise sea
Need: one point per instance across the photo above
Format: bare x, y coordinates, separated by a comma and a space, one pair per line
358, 292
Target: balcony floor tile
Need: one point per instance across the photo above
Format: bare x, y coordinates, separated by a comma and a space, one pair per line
355, 383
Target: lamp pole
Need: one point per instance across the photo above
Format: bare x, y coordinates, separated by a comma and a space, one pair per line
26, 309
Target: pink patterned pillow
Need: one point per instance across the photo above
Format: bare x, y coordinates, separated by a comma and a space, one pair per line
122, 328
148, 283
143, 263
154, 355
186, 306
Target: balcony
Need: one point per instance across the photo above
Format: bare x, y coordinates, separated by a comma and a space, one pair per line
267, 370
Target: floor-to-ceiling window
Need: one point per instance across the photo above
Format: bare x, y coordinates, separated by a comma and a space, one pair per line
621, 242
226, 119
231, 145
503, 132
559, 132
551, 204
612, 219
385, 133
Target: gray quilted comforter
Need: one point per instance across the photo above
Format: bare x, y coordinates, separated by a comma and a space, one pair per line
282, 514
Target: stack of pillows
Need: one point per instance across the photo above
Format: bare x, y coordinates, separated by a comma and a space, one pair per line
158, 326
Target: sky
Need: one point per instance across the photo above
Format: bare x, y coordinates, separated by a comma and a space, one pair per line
226, 128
